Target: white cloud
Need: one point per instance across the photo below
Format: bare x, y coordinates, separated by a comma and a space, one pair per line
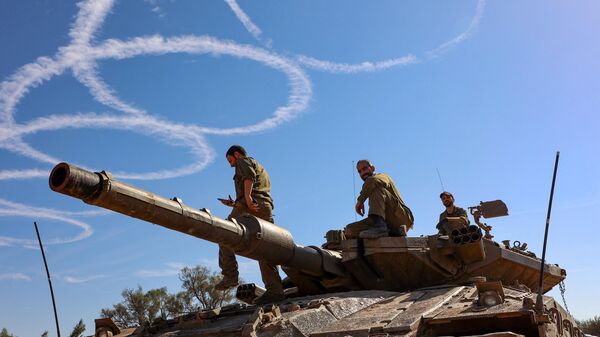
172, 269
475, 21
86, 73
15, 277
366, 66
82, 55
156, 8
89, 19
351, 68
35, 213
245, 19
23, 174
73, 279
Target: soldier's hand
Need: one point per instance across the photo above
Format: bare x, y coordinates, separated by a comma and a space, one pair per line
360, 208
252, 205
227, 202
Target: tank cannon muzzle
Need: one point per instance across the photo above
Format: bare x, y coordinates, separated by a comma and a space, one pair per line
74, 181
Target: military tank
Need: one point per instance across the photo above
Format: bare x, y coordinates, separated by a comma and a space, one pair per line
461, 284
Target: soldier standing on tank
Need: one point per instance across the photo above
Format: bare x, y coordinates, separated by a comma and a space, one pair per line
451, 211
253, 196
388, 214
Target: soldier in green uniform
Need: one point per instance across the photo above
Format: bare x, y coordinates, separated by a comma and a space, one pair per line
451, 211
388, 214
253, 196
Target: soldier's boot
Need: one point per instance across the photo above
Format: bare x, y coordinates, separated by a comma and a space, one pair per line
377, 230
270, 296
228, 281
400, 231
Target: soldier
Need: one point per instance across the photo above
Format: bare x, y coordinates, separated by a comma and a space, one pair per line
387, 211
252, 188
451, 211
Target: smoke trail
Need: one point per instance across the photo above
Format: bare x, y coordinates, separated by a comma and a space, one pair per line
366, 66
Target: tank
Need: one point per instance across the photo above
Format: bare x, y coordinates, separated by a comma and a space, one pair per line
461, 284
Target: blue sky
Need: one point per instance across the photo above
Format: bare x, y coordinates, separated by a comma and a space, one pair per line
155, 91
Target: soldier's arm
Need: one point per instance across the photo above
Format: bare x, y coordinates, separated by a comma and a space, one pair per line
463, 214
439, 224
248, 195
248, 176
366, 190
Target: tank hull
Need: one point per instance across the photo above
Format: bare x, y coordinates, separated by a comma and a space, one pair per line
435, 311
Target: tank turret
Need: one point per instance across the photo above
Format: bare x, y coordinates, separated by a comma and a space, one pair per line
388, 263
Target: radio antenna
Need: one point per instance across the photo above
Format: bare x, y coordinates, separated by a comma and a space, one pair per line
440, 177
353, 188
539, 301
49, 280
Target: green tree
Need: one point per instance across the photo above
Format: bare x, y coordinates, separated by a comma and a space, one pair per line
157, 299
137, 304
178, 304
590, 326
119, 314
200, 283
139, 307
133, 310
4, 333
78, 329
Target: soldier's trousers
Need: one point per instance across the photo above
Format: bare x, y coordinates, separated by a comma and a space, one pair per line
228, 262
385, 205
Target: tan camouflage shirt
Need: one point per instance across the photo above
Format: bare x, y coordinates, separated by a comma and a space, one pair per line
378, 181
458, 212
249, 168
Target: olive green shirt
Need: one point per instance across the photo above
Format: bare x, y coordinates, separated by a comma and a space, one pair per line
248, 168
378, 181
458, 213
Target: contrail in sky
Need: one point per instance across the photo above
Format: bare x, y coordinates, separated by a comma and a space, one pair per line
15, 209
475, 21
74, 279
366, 66
81, 57
245, 20
14, 277
352, 68
173, 268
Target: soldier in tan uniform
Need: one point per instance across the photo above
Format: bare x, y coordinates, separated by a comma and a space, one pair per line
253, 196
388, 214
451, 211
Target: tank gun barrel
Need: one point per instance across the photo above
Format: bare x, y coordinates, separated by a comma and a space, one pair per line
248, 236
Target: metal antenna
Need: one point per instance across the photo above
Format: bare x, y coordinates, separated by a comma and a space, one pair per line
353, 188
539, 301
440, 177
49, 280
